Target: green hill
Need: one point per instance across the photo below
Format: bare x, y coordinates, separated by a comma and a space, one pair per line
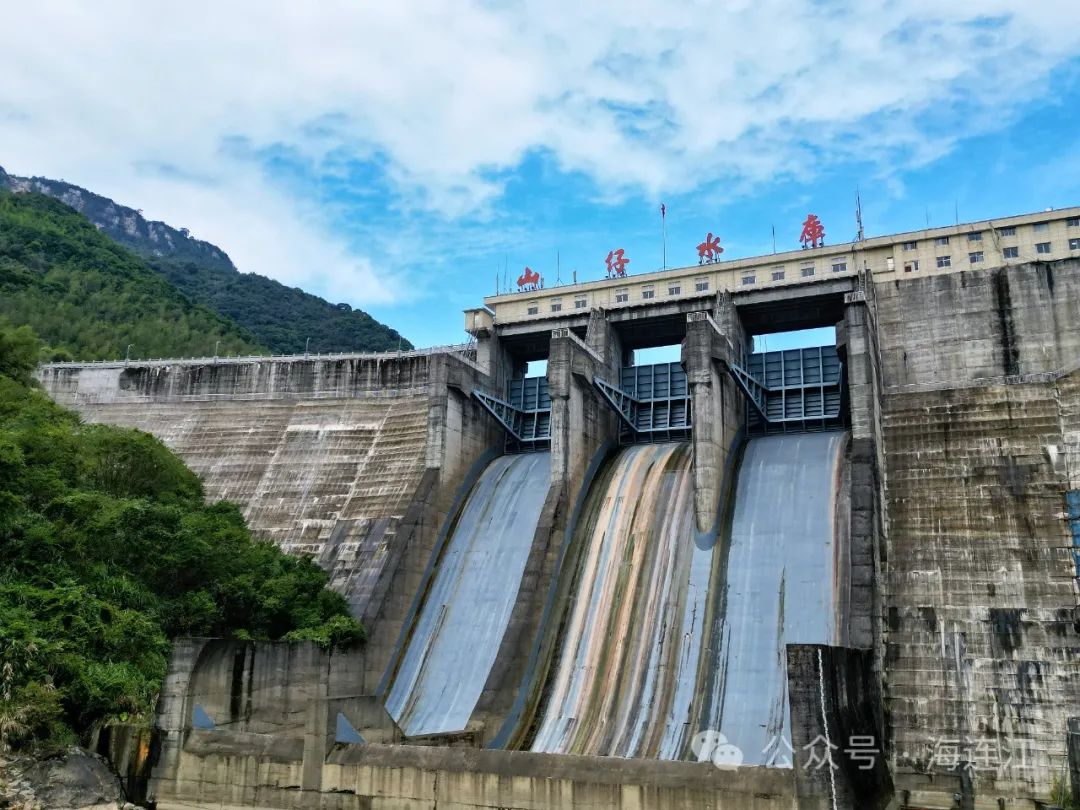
108, 551
90, 298
281, 318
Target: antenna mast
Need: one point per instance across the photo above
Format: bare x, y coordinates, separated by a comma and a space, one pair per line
858, 216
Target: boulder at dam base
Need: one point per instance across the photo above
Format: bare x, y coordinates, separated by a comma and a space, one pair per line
74, 779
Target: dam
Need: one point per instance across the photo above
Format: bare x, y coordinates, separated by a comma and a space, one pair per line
654, 585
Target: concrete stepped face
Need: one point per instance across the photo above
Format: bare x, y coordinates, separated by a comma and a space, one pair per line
323, 457
980, 579
331, 479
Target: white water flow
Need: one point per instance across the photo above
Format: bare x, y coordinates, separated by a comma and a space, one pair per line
669, 632
623, 684
785, 584
465, 614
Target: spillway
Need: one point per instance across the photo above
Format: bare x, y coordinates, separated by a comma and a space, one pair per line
623, 681
786, 579
670, 632
464, 616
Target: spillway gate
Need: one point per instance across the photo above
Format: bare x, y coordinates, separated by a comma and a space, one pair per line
525, 414
792, 390
652, 401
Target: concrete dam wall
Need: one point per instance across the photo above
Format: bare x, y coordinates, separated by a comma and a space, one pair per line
332, 457
934, 542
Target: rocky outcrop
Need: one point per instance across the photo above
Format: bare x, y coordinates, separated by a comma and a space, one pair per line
73, 779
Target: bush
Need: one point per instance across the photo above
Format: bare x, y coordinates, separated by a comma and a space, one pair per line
107, 551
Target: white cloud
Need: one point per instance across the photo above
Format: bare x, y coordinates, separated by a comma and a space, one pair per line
642, 96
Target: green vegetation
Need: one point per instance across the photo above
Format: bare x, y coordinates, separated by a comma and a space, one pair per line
280, 317
107, 550
88, 297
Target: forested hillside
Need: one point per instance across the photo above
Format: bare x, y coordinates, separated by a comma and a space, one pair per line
282, 318
89, 298
279, 317
107, 551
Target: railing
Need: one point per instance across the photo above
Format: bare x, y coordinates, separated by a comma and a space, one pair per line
466, 351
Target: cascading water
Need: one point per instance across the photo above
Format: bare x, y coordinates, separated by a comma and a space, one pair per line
669, 632
623, 681
465, 614
785, 584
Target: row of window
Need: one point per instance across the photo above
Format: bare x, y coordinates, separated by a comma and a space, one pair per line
779, 273
1008, 230
976, 257
622, 294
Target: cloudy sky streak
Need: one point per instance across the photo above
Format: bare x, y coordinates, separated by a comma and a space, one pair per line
395, 155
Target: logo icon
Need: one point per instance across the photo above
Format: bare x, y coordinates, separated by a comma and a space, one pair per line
712, 746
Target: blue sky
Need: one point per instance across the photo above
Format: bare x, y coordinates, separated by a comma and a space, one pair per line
398, 157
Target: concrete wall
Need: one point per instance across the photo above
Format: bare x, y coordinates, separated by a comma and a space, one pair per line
275, 706
966, 327
835, 697
343, 459
982, 646
980, 426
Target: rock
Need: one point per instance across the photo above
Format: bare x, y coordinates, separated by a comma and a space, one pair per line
74, 779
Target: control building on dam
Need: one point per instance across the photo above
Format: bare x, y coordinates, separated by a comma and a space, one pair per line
691, 584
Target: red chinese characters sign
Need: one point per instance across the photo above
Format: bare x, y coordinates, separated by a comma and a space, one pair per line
529, 280
616, 263
813, 232
709, 251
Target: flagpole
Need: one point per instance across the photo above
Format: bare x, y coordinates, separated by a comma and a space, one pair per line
663, 232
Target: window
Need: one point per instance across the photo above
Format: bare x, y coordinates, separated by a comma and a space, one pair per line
1042, 247
941, 240
976, 257
556, 305
534, 308
622, 295
1074, 243
1041, 227
580, 302
1008, 230
806, 272
910, 245
701, 285
911, 266
839, 265
674, 288
748, 279
890, 263
648, 292
778, 275
975, 236
1011, 252
1073, 222
944, 261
